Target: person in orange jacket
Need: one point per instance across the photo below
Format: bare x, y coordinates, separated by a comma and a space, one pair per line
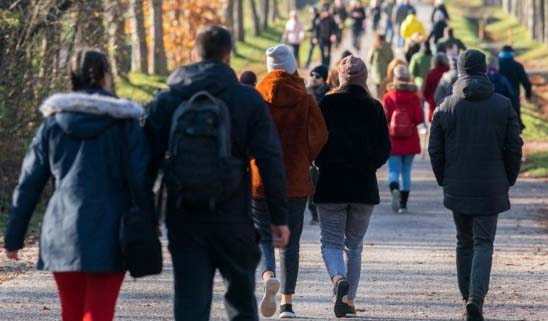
303, 133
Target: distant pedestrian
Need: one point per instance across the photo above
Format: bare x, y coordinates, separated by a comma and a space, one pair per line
77, 145
314, 21
399, 15
403, 111
413, 45
440, 8
375, 11
420, 65
294, 34
380, 56
516, 75
449, 78
387, 82
208, 216
358, 16
388, 12
411, 26
438, 29
326, 36
318, 86
301, 128
248, 78
341, 15
440, 66
500, 83
347, 189
475, 151
449, 40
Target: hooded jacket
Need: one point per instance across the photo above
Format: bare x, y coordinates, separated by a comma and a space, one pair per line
357, 146
412, 25
78, 146
301, 129
404, 96
430, 85
378, 59
253, 135
475, 148
419, 66
516, 75
445, 86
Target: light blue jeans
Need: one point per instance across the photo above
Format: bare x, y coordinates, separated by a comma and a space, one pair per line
343, 227
400, 166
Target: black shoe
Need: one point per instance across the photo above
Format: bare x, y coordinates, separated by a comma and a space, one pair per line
474, 310
286, 312
464, 309
340, 291
350, 311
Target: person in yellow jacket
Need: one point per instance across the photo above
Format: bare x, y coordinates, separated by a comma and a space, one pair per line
410, 26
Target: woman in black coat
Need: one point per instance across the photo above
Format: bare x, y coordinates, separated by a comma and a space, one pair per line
78, 145
347, 189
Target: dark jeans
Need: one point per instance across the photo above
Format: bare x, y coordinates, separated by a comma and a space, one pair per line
197, 253
310, 53
357, 38
289, 257
325, 51
295, 48
475, 238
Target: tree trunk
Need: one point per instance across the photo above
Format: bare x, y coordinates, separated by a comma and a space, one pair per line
266, 11
115, 18
275, 10
256, 18
89, 25
240, 28
229, 15
158, 61
139, 61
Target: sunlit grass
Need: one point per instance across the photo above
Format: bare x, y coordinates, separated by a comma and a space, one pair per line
536, 164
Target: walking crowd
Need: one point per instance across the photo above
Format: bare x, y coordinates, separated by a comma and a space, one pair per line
238, 161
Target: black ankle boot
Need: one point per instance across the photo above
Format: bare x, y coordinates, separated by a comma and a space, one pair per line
404, 198
474, 309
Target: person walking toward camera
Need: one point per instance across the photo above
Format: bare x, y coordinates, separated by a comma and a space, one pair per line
78, 146
475, 151
347, 188
403, 112
302, 132
294, 34
208, 124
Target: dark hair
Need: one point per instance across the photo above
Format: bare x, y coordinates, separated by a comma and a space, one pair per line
213, 43
345, 54
88, 67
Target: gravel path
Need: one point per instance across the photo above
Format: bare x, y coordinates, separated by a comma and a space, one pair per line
408, 267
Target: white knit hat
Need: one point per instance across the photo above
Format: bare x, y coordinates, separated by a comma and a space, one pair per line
280, 57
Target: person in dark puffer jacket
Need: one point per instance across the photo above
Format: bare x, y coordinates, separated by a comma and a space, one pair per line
77, 146
475, 151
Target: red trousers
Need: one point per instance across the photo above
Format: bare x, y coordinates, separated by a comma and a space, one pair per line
87, 296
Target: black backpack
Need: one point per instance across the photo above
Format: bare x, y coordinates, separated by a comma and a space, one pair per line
201, 171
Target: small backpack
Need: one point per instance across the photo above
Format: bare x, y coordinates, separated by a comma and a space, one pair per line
200, 168
401, 125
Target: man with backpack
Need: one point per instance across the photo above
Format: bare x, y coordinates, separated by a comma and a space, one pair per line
210, 126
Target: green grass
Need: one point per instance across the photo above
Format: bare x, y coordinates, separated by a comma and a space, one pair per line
464, 28
140, 87
536, 164
536, 124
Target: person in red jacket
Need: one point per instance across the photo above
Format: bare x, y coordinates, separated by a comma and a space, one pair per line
441, 66
402, 107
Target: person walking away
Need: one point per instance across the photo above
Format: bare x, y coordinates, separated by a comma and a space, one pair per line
500, 83
445, 86
248, 78
333, 75
302, 132
438, 29
516, 75
449, 40
413, 46
411, 26
420, 65
387, 82
475, 151
376, 14
327, 35
439, 8
294, 34
358, 16
379, 57
314, 22
441, 66
340, 14
400, 14
347, 189
318, 87
207, 234
402, 107
77, 146
388, 12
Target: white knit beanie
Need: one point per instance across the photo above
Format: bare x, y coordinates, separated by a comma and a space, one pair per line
280, 57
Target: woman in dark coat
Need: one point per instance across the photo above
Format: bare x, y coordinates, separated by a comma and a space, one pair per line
78, 146
347, 190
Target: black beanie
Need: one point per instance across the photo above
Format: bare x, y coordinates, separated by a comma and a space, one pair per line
320, 70
472, 62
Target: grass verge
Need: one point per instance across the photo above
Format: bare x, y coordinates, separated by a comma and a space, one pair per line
536, 164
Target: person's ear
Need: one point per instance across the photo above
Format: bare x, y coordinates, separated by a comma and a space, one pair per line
107, 83
227, 58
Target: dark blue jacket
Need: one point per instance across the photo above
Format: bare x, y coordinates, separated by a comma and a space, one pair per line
253, 134
502, 86
78, 146
516, 75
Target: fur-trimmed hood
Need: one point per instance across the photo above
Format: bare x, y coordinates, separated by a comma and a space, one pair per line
88, 114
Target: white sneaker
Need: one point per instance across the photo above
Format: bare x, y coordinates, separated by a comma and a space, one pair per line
268, 303
396, 199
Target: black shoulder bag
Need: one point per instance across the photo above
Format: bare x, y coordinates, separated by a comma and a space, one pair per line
141, 247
